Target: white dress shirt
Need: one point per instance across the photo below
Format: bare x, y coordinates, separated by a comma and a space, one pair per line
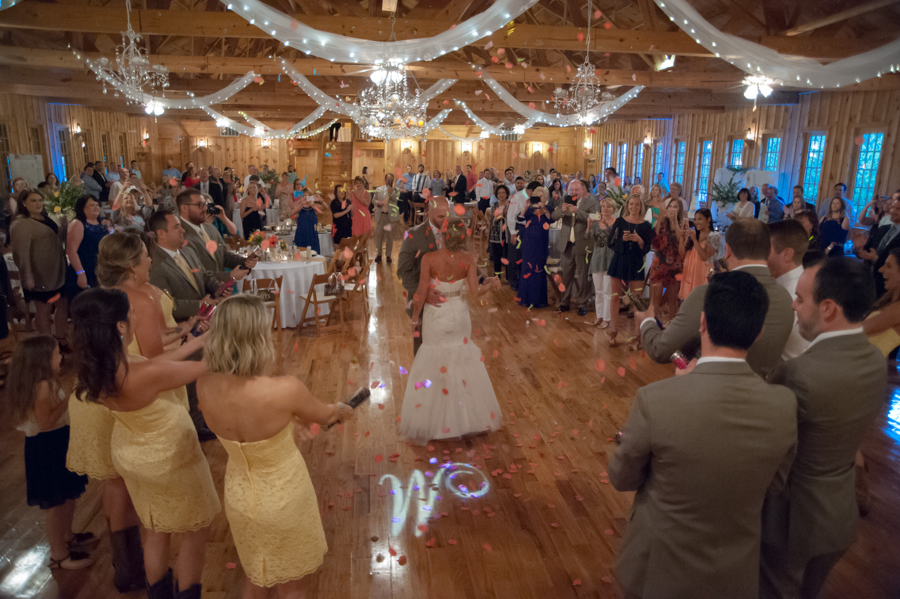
484, 189
719, 359
796, 344
516, 206
831, 334
199, 230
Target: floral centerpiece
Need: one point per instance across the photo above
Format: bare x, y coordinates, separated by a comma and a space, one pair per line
617, 195
60, 203
726, 194
257, 237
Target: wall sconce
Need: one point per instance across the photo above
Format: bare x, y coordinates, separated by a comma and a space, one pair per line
201, 143
648, 141
146, 135
265, 143
587, 144
750, 135
537, 147
82, 143
406, 145
77, 128
466, 147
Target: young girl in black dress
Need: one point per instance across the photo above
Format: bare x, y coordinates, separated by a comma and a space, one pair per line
38, 406
630, 238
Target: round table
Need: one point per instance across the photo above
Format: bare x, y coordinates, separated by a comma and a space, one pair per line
272, 217
297, 275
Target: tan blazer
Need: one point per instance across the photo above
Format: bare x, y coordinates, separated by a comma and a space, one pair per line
38, 252
419, 241
585, 206
840, 385
393, 213
215, 262
683, 333
700, 450
166, 274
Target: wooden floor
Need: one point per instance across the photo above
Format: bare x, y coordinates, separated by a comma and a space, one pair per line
548, 524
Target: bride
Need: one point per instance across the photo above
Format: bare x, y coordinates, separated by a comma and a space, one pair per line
449, 393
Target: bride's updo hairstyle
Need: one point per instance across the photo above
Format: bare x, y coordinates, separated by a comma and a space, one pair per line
455, 235
240, 338
119, 254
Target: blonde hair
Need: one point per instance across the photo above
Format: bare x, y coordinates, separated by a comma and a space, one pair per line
637, 197
455, 235
542, 191
609, 202
240, 337
119, 254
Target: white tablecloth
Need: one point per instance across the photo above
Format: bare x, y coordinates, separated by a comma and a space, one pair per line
272, 218
326, 245
297, 277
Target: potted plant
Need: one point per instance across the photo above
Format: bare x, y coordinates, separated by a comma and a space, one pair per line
726, 194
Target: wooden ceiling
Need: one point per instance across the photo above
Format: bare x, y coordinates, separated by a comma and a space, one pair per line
204, 46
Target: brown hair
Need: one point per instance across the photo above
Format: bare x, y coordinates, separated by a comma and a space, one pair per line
786, 234
31, 365
455, 235
119, 254
748, 239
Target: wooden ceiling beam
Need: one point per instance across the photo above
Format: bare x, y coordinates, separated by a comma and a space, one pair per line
53, 17
841, 16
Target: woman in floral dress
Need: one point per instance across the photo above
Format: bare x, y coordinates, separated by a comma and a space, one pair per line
668, 264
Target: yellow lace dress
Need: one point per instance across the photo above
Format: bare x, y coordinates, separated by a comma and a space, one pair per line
89, 433
887, 340
272, 510
156, 451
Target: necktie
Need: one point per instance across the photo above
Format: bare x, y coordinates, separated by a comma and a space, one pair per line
203, 235
182, 263
420, 183
888, 237
438, 239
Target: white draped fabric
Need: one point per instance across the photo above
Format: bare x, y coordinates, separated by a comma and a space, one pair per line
559, 120
794, 71
350, 49
261, 131
477, 120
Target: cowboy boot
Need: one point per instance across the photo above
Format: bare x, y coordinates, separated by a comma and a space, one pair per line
128, 559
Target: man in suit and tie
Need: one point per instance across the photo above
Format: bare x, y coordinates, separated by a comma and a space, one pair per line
572, 245
789, 244
701, 450
177, 269
747, 249
420, 181
198, 232
101, 179
517, 203
210, 187
386, 213
840, 383
879, 245
460, 184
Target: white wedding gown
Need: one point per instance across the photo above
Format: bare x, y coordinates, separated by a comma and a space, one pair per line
449, 393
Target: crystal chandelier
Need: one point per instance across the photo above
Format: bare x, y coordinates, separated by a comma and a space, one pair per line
387, 109
584, 94
135, 76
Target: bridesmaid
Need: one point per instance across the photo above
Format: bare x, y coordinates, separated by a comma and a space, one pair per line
701, 248
270, 501
154, 445
361, 200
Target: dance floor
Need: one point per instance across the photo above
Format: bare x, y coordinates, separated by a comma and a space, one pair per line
527, 512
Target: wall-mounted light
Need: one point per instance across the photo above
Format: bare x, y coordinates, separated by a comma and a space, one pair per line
146, 135
406, 145
265, 143
201, 143
648, 141
466, 147
588, 144
667, 63
77, 128
537, 147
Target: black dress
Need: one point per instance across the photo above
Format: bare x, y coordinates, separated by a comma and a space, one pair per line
627, 263
341, 226
251, 223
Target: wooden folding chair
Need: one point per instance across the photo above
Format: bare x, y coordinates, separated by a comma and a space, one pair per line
313, 297
419, 212
479, 230
236, 242
24, 307
358, 285
258, 286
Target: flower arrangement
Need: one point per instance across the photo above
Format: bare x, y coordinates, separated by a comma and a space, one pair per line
617, 195
726, 194
269, 177
61, 203
257, 237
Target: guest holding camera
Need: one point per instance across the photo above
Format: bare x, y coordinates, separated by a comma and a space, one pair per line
204, 239
304, 209
630, 238
533, 224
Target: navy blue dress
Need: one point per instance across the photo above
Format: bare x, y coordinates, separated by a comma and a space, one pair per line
88, 252
535, 249
306, 236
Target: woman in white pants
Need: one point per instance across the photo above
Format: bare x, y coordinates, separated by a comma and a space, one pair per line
598, 230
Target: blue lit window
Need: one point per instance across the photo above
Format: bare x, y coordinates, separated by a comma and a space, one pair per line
704, 158
867, 169
737, 153
607, 156
815, 155
638, 160
623, 155
680, 149
770, 157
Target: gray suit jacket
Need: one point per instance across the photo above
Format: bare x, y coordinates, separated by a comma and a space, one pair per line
393, 213
217, 262
700, 450
585, 206
840, 387
683, 333
166, 274
418, 242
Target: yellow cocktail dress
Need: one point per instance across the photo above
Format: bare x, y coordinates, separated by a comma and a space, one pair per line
89, 433
887, 340
155, 449
272, 510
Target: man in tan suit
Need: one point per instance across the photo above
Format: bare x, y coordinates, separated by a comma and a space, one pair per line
572, 245
840, 383
192, 210
386, 214
747, 249
720, 437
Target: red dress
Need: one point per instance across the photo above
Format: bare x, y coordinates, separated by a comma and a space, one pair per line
668, 262
362, 219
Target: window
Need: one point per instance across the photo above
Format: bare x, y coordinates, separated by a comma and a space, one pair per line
85, 150
770, 156
505, 136
5, 175
867, 169
638, 166
704, 158
228, 132
65, 152
122, 155
104, 147
607, 156
812, 172
36, 137
678, 171
656, 168
622, 159
736, 157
